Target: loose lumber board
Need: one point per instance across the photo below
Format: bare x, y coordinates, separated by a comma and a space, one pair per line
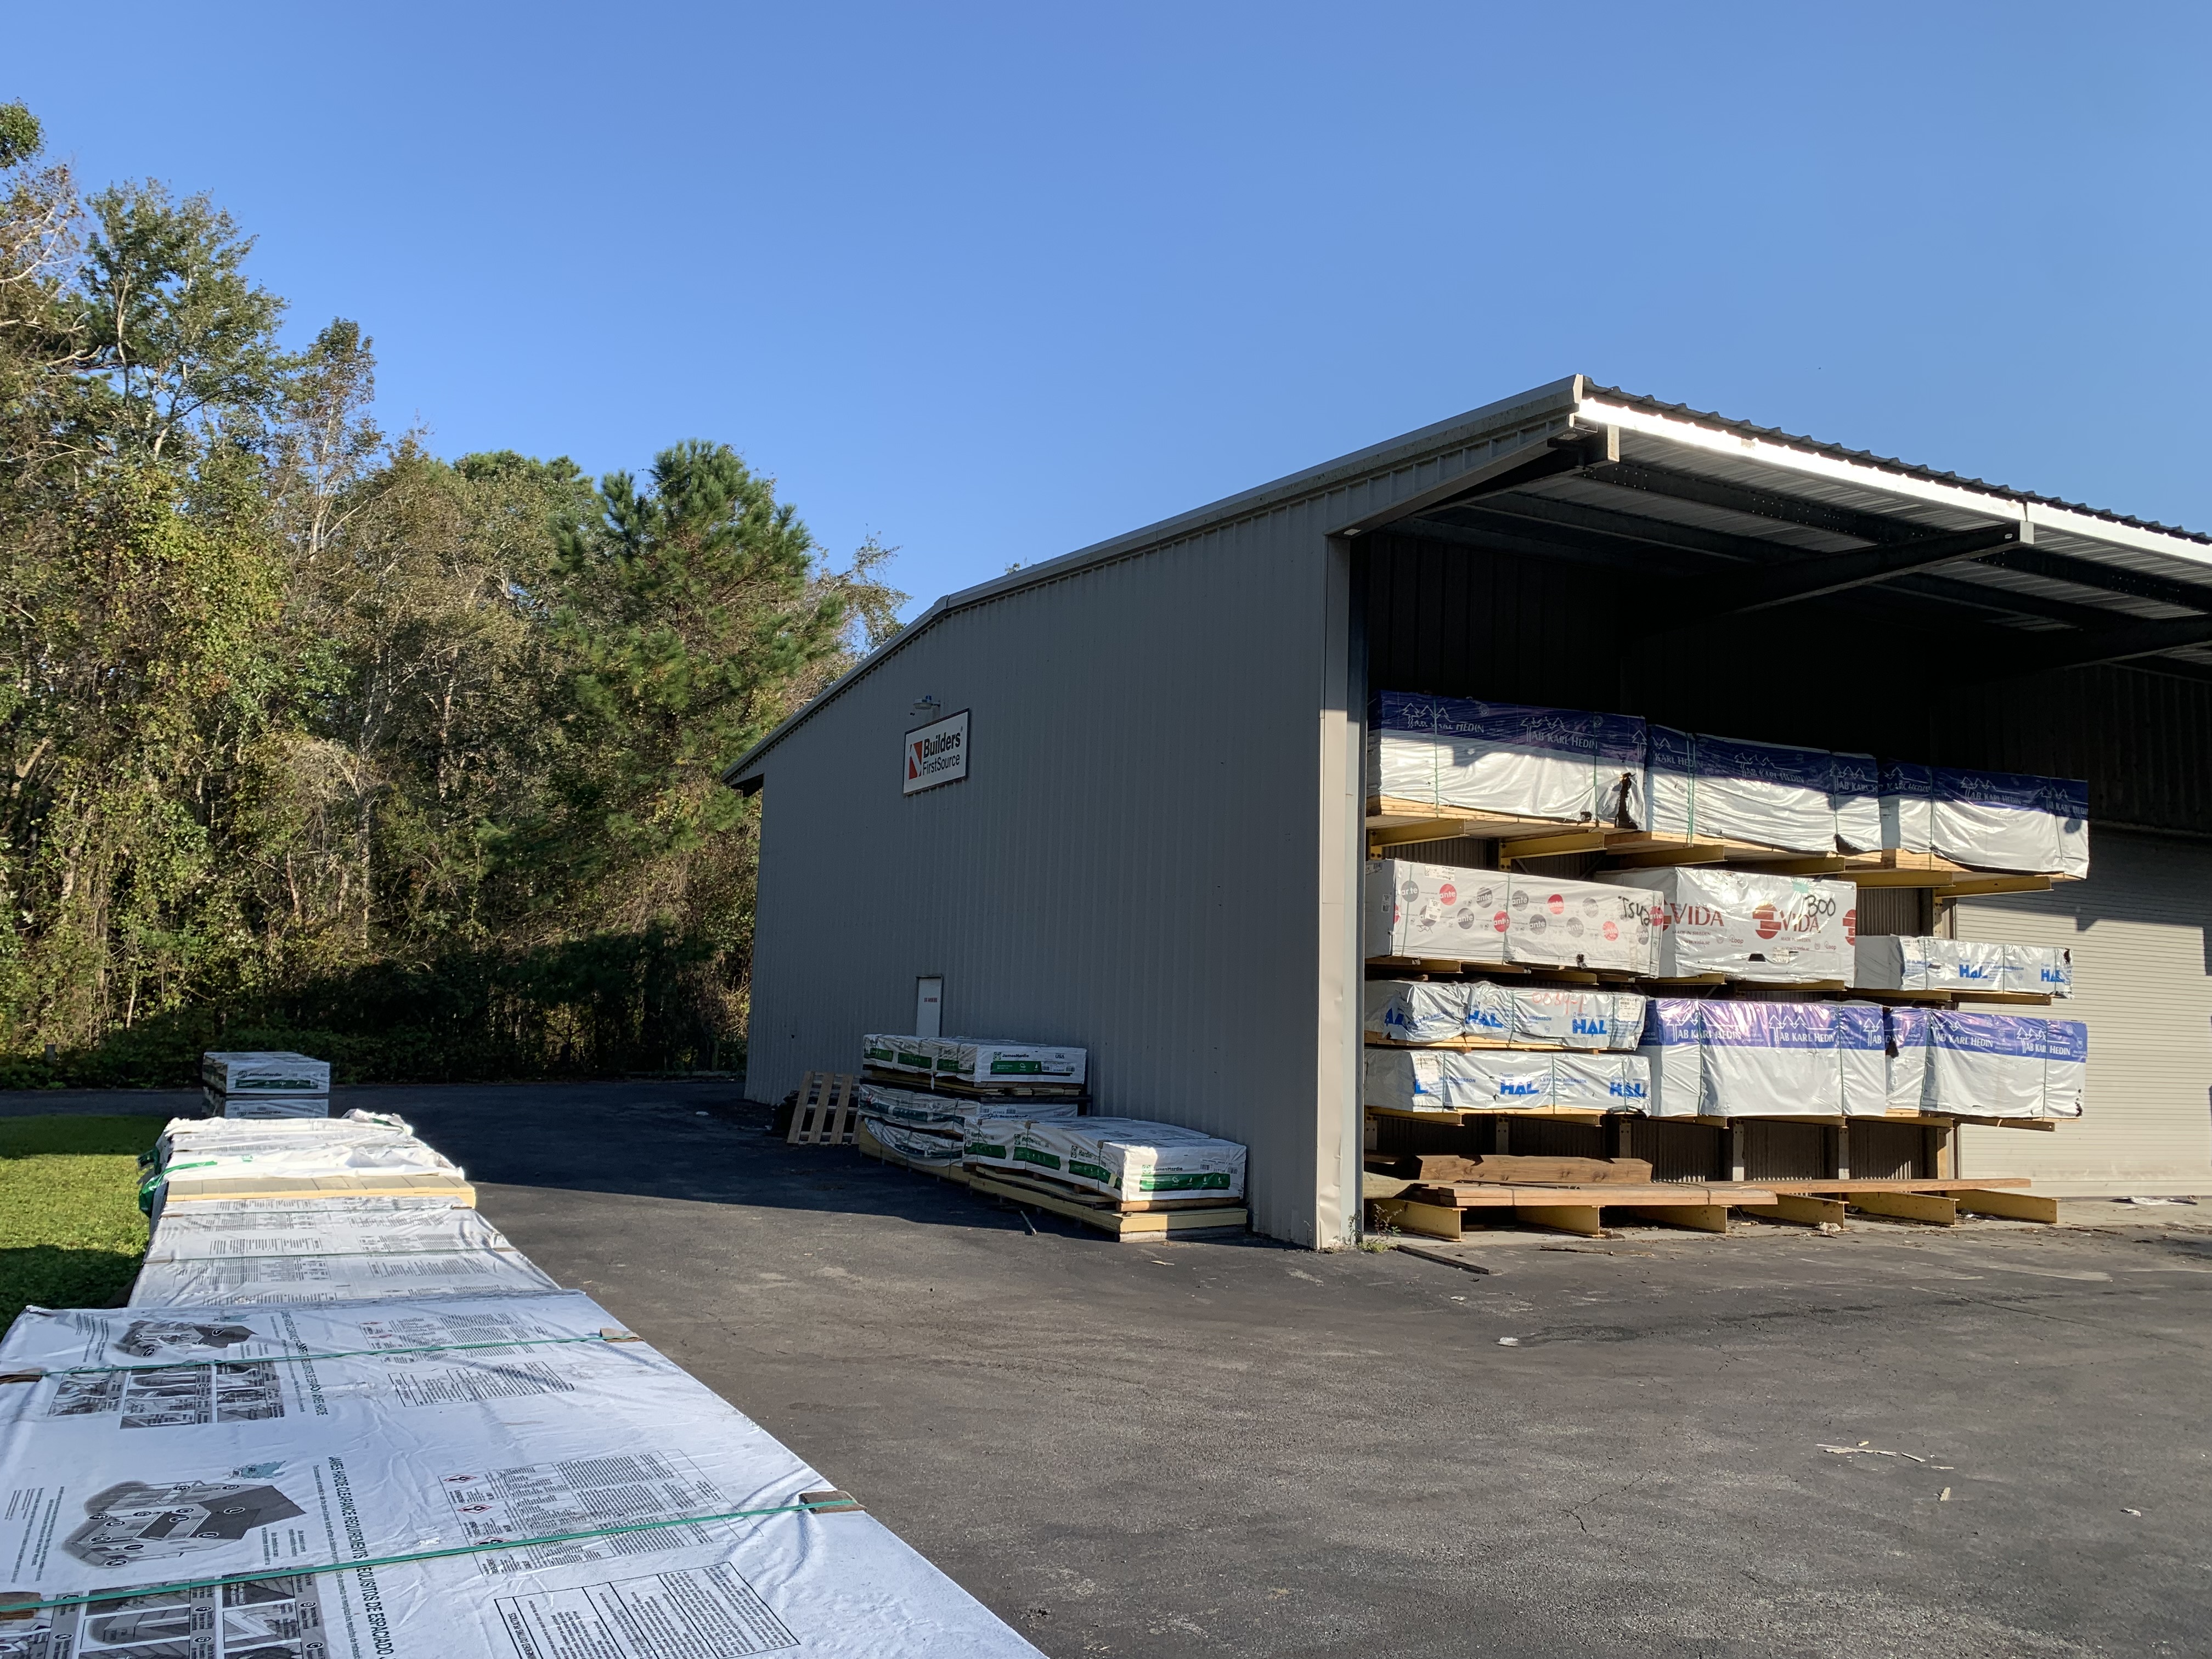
186, 1189
1937, 1208
1798, 1207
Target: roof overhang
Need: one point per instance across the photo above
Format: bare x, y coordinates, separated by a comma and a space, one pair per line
1728, 517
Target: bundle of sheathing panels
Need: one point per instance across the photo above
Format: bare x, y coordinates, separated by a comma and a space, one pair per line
1741, 925
1776, 795
1957, 1063
317, 1250
1508, 759
503, 1478
1514, 1016
1716, 1058
1505, 1079
196, 1160
1122, 1157
1890, 962
1437, 912
934, 1128
980, 1063
1987, 820
274, 1083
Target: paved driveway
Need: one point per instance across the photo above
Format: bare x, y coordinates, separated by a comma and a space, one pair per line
1609, 1447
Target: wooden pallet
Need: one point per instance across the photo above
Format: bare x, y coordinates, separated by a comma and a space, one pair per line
1124, 1224
826, 1113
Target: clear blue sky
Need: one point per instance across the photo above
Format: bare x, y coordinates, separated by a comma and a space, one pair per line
995, 281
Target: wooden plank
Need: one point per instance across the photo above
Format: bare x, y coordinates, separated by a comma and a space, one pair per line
1449, 1167
1977, 886
1429, 1220
1581, 1219
1699, 1217
2013, 1207
1935, 1207
1153, 1224
1797, 1207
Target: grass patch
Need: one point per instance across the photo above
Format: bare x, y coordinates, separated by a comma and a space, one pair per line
70, 1233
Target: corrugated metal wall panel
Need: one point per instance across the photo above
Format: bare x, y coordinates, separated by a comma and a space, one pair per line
2143, 974
1097, 879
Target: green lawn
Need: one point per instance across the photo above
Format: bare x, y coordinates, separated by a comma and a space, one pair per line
70, 1233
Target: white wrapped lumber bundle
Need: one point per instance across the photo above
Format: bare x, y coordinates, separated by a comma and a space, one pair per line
1956, 1063
1512, 1016
1704, 788
197, 1160
1122, 1157
257, 1105
982, 1062
1437, 912
1711, 1057
1987, 820
1779, 930
471, 1479
919, 1109
888, 1051
1891, 962
1505, 1079
277, 1073
328, 1250
1507, 760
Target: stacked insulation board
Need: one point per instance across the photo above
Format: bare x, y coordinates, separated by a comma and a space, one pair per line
1132, 1159
421, 1465
276, 1084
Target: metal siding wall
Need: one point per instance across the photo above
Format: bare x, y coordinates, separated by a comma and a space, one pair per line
2138, 930
1130, 866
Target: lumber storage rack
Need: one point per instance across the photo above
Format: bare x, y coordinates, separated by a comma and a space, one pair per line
1126, 1221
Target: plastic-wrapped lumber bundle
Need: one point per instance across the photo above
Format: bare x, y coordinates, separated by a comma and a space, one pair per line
1893, 962
934, 1128
1770, 794
1529, 763
328, 1250
1987, 820
1434, 910
1411, 1010
1717, 1058
1505, 1079
277, 1083
986, 1060
1956, 1063
196, 1160
889, 1052
1122, 1157
1854, 797
1779, 930
471, 1479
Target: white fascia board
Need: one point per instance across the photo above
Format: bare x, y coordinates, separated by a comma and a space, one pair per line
1766, 453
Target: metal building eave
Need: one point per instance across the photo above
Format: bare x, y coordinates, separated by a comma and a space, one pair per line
1557, 399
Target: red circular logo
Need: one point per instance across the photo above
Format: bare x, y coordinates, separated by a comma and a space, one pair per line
1851, 927
1448, 893
1612, 930
1556, 904
1766, 921
1500, 922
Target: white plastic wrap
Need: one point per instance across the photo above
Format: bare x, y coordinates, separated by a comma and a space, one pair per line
250, 1105
889, 1052
989, 1060
1903, 963
2039, 970
1520, 761
278, 1072
1855, 796
328, 1251
917, 1109
179, 1450
1505, 1079
1718, 1058
1771, 794
1987, 820
1439, 912
1978, 1064
1781, 930
1405, 1010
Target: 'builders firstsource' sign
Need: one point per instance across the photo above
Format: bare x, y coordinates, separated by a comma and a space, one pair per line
937, 753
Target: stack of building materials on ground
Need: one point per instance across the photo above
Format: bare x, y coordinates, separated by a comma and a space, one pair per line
1120, 1157
934, 1128
265, 1084
463, 1474
975, 1062
362, 1154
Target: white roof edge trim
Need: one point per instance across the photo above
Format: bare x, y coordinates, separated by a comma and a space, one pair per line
1765, 451
1559, 397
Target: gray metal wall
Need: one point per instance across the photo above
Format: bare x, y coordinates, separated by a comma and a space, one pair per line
1131, 865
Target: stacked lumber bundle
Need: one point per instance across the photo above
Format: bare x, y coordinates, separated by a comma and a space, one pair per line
362, 1155
383, 1455
274, 1083
1943, 968
1551, 780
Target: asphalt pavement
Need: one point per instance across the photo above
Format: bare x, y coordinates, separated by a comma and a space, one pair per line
1988, 1440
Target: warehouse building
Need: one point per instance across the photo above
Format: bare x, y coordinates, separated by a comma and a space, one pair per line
1139, 826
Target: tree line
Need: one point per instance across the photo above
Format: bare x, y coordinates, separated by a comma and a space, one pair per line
313, 739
